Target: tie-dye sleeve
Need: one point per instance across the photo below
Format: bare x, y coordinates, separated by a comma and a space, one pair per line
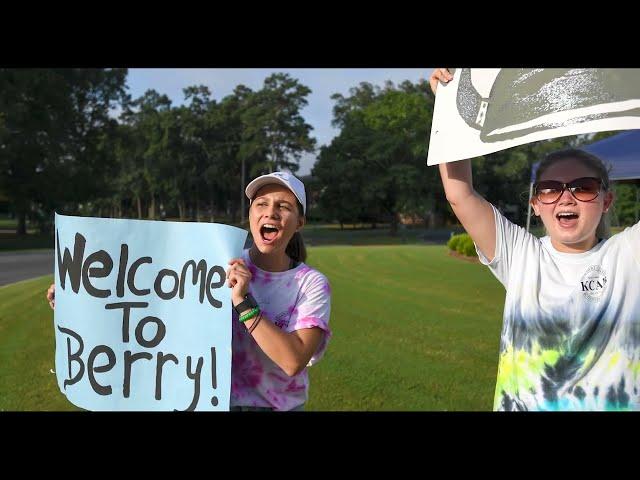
313, 309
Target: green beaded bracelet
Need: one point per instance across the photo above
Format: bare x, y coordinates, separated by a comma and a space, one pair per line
252, 313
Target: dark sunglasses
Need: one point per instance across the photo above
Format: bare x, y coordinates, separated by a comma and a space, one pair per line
583, 189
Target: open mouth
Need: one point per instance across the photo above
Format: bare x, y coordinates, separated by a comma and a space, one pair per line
567, 219
268, 232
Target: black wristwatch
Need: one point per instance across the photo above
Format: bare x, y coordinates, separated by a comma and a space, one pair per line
247, 304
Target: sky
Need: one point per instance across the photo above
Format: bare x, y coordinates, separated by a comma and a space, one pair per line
323, 83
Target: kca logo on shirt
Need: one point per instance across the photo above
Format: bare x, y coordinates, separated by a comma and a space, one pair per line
593, 283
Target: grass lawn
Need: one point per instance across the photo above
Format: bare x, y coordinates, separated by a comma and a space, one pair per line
27, 348
7, 223
413, 329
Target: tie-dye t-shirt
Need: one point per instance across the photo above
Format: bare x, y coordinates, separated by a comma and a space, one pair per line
571, 327
295, 299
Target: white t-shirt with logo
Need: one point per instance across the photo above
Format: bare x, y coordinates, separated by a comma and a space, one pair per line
571, 327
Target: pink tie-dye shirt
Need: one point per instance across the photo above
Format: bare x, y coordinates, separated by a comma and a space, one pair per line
295, 299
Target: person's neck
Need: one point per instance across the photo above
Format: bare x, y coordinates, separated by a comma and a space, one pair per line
579, 247
276, 262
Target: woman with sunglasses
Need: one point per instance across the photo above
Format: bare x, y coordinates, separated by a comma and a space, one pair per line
571, 325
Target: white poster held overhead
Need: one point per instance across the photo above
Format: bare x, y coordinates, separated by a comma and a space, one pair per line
482, 111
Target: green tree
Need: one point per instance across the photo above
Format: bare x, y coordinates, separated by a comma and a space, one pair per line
384, 136
56, 126
148, 116
286, 134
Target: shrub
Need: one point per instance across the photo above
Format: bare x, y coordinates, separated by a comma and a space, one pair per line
462, 244
453, 242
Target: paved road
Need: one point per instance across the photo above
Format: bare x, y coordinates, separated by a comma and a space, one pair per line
16, 266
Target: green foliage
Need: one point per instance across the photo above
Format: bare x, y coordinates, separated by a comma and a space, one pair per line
61, 149
453, 242
466, 246
463, 244
626, 205
54, 138
380, 154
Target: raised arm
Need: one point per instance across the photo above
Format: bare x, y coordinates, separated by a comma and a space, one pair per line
473, 211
